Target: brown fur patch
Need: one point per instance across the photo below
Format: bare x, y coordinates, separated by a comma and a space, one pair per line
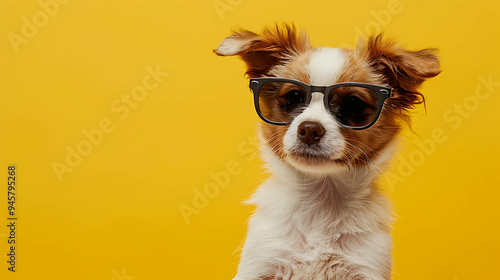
401, 69
382, 62
273, 46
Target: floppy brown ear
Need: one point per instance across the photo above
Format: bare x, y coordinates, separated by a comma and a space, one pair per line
404, 70
262, 51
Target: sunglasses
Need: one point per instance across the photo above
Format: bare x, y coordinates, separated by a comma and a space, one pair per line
355, 105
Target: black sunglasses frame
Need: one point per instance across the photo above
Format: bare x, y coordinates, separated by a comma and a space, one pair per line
382, 93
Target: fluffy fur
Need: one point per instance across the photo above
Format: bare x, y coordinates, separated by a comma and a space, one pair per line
320, 215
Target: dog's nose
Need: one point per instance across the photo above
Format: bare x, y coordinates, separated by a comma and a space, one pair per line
310, 132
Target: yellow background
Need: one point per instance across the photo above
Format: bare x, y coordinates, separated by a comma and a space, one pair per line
117, 216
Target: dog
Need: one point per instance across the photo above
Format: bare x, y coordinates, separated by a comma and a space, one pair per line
331, 117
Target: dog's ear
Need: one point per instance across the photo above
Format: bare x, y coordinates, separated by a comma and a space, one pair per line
262, 51
404, 70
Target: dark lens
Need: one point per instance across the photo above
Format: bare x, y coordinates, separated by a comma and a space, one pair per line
353, 106
281, 101
294, 98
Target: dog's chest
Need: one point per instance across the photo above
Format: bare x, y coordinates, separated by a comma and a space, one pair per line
325, 235
321, 260
315, 250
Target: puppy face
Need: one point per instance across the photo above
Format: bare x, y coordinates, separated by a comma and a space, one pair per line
315, 141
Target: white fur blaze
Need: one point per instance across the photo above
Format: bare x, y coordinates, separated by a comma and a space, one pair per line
325, 66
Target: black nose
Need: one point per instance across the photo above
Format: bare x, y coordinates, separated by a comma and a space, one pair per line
310, 132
